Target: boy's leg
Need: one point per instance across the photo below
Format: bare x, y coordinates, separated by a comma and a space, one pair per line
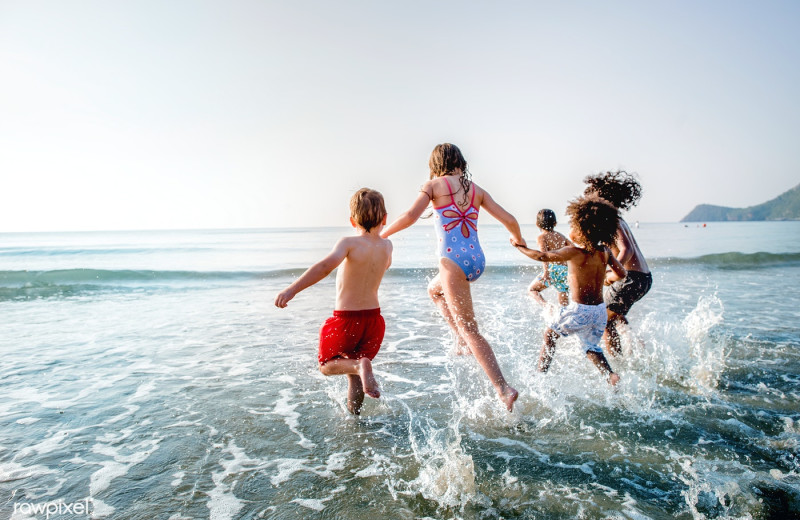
601, 363
611, 335
355, 394
356, 367
548, 349
459, 301
437, 295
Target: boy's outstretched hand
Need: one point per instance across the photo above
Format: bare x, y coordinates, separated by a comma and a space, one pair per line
282, 300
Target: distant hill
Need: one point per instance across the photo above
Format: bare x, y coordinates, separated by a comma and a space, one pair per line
784, 207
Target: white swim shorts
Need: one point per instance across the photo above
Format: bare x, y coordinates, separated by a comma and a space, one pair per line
587, 322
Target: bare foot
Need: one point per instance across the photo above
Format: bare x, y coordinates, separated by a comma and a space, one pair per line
509, 396
368, 378
613, 379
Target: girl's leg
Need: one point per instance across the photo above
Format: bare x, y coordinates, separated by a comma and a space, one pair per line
459, 302
563, 299
437, 295
354, 367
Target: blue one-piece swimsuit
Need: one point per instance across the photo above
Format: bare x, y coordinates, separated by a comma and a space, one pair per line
457, 232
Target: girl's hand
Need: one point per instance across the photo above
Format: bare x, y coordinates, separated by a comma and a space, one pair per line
517, 243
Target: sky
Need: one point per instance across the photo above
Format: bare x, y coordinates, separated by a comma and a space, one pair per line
199, 114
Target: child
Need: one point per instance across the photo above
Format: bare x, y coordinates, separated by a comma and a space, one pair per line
623, 191
555, 273
349, 341
456, 202
593, 223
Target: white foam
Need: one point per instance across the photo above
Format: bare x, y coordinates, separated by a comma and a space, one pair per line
290, 416
101, 510
27, 420
222, 503
11, 471
130, 410
287, 468
311, 503
119, 464
178, 478
143, 390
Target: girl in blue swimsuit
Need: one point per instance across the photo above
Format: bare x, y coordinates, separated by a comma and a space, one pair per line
456, 203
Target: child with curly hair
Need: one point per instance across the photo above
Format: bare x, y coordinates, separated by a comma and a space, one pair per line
593, 225
623, 191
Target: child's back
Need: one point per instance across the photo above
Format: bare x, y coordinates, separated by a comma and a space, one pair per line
360, 274
551, 240
587, 272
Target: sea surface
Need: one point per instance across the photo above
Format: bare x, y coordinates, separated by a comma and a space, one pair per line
148, 375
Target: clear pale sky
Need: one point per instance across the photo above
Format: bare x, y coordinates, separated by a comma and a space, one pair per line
199, 114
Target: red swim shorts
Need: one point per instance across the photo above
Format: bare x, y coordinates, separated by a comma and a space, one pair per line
351, 335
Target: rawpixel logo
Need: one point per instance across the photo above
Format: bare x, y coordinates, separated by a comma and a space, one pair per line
54, 509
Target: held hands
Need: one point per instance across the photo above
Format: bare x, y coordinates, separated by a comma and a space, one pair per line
283, 297
517, 243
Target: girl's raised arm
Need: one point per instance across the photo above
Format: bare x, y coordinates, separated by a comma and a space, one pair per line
413, 213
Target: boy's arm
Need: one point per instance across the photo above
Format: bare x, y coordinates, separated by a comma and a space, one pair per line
414, 212
507, 219
314, 274
559, 255
617, 271
623, 244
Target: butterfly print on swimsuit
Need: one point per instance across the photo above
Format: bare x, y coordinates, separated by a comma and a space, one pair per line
466, 220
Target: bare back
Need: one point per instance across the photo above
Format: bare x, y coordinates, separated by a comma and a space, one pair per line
359, 276
627, 250
552, 240
442, 187
586, 274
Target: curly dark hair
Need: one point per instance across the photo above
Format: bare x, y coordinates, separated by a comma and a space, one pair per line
546, 219
594, 219
620, 188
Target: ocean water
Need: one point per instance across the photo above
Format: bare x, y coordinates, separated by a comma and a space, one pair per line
148, 375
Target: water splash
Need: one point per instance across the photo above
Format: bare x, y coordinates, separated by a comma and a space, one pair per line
707, 352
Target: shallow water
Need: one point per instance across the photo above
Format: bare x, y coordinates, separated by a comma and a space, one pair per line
150, 373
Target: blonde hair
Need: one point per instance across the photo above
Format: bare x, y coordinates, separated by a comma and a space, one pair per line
367, 208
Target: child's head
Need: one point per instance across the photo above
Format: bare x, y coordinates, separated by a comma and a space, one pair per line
620, 188
593, 221
367, 209
546, 219
445, 159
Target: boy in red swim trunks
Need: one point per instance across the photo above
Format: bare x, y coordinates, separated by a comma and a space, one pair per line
349, 341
